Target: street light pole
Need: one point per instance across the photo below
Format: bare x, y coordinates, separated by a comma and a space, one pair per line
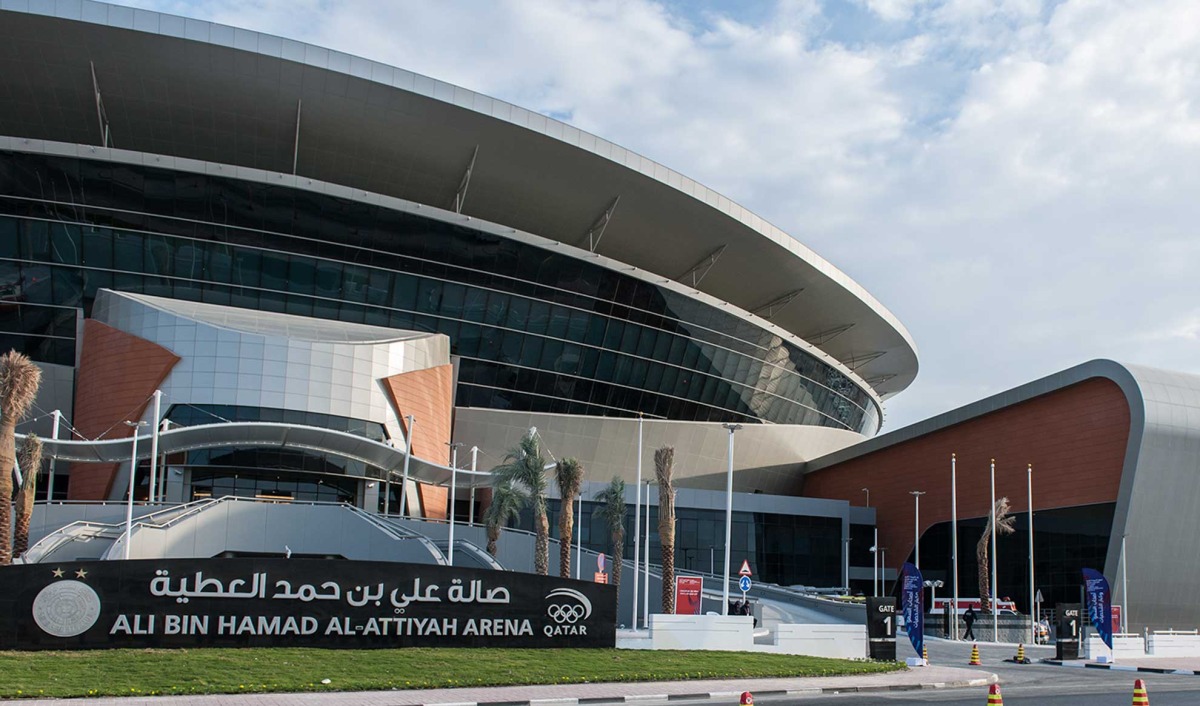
474, 468
868, 492
578, 536
154, 425
917, 526
1124, 588
646, 576
846, 566
954, 538
53, 460
875, 564
995, 581
453, 492
883, 570
132, 474
728, 518
637, 524
1032, 603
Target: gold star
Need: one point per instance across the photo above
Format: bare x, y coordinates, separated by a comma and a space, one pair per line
58, 573
81, 574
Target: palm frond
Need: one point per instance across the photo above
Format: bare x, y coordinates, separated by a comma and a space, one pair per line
31, 462
19, 382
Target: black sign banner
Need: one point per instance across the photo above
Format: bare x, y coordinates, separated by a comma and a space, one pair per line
295, 603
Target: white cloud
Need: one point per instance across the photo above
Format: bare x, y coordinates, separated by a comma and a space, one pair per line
1015, 178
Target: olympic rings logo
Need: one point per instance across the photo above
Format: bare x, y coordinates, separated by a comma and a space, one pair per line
568, 613
564, 613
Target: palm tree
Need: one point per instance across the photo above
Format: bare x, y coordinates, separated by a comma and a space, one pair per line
613, 497
1004, 525
505, 507
19, 381
31, 465
568, 473
524, 466
664, 463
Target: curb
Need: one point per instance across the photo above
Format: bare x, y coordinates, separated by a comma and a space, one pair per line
698, 696
1120, 667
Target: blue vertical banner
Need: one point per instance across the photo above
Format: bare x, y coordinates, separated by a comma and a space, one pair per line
1099, 603
912, 603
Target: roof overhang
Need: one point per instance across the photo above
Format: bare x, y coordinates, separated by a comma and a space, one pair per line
262, 434
188, 88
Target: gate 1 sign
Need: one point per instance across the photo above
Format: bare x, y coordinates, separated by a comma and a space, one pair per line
296, 603
688, 592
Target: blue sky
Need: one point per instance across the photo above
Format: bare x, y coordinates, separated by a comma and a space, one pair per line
1014, 179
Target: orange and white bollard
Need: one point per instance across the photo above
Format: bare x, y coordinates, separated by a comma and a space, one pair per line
994, 697
747, 698
1140, 697
974, 656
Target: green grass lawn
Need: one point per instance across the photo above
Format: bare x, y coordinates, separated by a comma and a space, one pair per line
216, 671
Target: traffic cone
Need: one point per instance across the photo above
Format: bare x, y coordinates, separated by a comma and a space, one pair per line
925, 653
1020, 658
747, 698
1140, 697
974, 656
994, 697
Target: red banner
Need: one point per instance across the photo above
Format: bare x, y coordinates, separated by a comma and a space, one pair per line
688, 590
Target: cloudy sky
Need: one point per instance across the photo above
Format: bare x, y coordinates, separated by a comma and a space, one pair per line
1018, 180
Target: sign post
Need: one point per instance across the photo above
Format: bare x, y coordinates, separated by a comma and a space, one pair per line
1066, 646
881, 627
689, 593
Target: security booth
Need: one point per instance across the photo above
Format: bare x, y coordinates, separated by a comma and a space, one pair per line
1069, 627
881, 628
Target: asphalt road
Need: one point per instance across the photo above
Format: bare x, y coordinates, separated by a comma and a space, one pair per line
1020, 685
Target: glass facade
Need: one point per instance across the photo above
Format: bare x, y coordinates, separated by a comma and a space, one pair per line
535, 330
188, 415
1065, 541
783, 549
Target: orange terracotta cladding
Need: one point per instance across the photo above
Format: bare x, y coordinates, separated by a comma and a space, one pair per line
434, 500
118, 372
428, 395
1074, 437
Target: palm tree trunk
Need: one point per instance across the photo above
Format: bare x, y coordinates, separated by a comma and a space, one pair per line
664, 462
566, 530
493, 534
981, 555
618, 558
668, 560
541, 546
31, 464
8, 427
21, 535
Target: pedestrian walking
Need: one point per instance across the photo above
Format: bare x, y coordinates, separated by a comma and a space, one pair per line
969, 621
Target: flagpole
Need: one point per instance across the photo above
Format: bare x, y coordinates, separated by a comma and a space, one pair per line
995, 583
954, 537
1032, 605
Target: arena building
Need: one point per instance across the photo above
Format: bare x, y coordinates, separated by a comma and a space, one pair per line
158, 174
319, 262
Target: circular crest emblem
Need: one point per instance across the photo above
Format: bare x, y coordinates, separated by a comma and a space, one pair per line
66, 608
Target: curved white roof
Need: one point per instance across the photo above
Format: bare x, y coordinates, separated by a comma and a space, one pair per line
188, 88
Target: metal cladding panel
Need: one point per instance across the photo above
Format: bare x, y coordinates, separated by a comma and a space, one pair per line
1159, 507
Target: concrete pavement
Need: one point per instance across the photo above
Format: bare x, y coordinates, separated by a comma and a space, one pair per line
720, 691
